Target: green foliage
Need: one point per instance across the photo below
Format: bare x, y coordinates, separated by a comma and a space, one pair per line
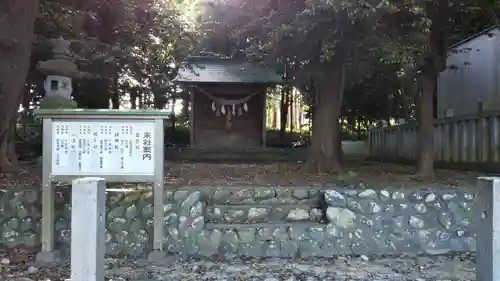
131, 49
126, 47
128, 50
387, 42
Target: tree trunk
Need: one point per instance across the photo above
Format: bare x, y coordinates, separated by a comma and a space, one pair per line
296, 106
115, 101
159, 98
426, 125
173, 122
115, 96
432, 66
17, 20
326, 150
285, 101
25, 102
133, 98
358, 127
274, 117
292, 107
140, 95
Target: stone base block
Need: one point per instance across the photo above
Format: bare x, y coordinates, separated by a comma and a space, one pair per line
52, 258
157, 257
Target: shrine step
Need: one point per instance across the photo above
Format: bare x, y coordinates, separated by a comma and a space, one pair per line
263, 213
251, 233
264, 195
277, 240
286, 225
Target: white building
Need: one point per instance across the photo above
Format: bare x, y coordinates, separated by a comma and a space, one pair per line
472, 77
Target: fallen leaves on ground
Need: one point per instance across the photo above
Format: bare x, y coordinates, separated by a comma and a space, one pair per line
288, 174
19, 265
283, 174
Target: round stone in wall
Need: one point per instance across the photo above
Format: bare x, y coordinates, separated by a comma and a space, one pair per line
335, 198
264, 193
300, 193
385, 195
341, 217
255, 214
234, 215
420, 208
368, 194
298, 215
416, 222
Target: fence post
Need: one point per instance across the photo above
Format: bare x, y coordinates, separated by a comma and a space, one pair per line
88, 203
488, 230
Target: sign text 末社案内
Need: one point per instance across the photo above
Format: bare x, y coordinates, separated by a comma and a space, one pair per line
101, 148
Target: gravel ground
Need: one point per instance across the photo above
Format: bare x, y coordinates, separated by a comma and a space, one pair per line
422, 268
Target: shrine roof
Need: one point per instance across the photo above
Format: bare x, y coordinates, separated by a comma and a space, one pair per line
208, 69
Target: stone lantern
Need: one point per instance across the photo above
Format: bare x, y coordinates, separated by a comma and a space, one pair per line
60, 71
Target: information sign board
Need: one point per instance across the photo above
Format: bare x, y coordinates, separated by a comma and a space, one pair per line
100, 148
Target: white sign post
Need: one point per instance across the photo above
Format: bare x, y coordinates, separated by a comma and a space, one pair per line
120, 146
488, 235
88, 212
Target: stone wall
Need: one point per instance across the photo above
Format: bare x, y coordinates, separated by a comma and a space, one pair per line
399, 221
264, 221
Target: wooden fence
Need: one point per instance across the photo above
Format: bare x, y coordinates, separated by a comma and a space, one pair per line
472, 140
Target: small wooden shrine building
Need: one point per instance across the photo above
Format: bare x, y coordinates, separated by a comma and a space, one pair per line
228, 101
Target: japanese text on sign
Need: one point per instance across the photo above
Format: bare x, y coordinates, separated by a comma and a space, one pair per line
102, 148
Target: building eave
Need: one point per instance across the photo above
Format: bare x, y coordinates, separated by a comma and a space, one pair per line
470, 38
